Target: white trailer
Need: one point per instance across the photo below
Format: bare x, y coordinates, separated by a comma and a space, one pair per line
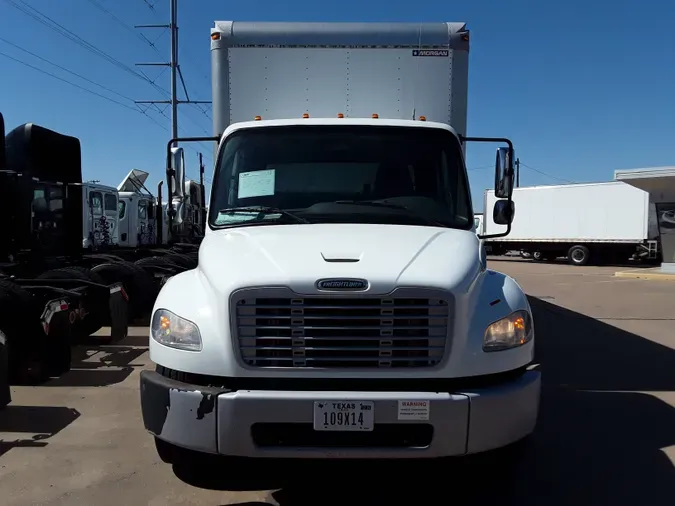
599, 222
342, 306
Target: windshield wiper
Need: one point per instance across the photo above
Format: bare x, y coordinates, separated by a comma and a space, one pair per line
375, 203
262, 210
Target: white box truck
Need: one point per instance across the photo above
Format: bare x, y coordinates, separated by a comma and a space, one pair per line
586, 222
342, 307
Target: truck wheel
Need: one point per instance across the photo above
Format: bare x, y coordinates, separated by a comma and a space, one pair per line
181, 260
25, 357
537, 256
150, 262
5, 391
97, 315
134, 279
578, 255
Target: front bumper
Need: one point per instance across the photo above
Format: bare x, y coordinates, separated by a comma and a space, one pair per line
278, 423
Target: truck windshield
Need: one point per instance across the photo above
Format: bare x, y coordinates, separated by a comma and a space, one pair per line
341, 174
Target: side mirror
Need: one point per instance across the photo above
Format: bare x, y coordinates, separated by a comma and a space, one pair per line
503, 212
504, 173
176, 162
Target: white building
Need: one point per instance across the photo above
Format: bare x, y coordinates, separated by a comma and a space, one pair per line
659, 182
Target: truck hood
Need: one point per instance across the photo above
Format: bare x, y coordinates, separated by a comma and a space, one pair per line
297, 256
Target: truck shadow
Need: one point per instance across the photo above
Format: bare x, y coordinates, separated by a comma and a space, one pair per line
598, 441
42, 421
102, 365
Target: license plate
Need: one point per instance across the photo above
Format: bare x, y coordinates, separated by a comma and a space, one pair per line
357, 416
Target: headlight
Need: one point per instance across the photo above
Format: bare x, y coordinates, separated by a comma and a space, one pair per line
510, 332
176, 332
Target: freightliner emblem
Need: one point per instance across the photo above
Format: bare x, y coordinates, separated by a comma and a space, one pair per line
347, 285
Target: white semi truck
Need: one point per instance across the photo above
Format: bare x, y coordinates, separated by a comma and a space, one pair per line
605, 222
341, 307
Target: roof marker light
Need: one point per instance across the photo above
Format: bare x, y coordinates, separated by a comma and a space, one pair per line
215, 36
340, 115
375, 115
423, 118
305, 115
257, 118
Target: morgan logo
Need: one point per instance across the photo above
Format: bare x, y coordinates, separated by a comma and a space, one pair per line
349, 285
431, 52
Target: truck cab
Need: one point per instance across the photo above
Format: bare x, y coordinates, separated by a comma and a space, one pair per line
137, 211
100, 216
342, 306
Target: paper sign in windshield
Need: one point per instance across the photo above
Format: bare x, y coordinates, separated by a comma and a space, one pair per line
258, 183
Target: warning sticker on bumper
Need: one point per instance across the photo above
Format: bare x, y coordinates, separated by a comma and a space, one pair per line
413, 410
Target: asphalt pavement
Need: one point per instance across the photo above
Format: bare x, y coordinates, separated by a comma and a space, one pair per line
606, 433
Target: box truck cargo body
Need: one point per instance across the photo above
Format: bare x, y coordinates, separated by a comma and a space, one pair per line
394, 70
586, 222
342, 307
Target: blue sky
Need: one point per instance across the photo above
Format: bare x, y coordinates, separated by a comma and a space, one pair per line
581, 87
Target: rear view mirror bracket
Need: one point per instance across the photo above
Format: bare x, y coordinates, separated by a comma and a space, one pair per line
504, 209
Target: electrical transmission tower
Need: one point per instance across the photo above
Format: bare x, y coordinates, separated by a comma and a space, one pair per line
175, 71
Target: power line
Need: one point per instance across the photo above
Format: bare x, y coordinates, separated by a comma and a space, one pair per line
87, 90
126, 26
151, 6
62, 68
47, 21
176, 73
69, 82
546, 173
42, 18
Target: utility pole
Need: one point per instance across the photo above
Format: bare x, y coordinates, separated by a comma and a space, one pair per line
517, 172
175, 70
174, 66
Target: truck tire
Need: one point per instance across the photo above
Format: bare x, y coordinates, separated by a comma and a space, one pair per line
150, 262
135, 280
181, 260
27, 362
5, 391
97, 314
578, 255
158, 277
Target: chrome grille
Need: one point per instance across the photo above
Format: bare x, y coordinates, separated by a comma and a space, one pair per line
342, 332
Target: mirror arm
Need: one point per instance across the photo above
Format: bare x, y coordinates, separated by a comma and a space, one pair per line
495, 236
506, 141
509, 198
170, 172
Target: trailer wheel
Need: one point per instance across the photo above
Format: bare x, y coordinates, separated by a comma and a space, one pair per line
97, 314
578, 255
537, 256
